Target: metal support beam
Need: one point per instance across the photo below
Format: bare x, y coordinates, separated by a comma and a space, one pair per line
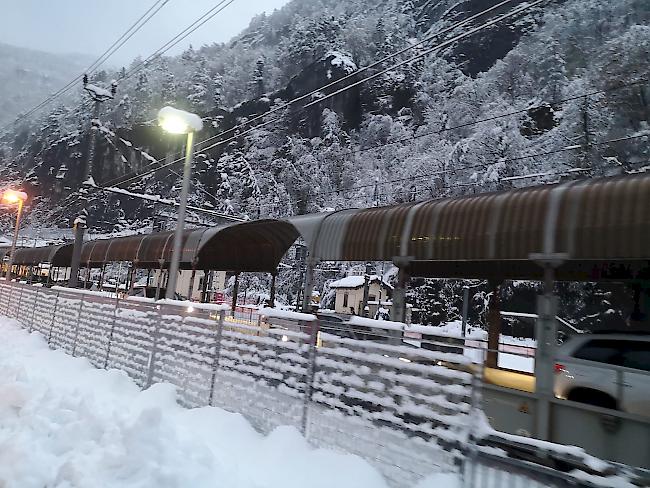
272, 292
309, 284
494, 324
398, 310
235, 292
366, 290
465, 308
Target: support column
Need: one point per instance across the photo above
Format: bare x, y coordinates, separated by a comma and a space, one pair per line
159, 282
190, 289
309, 284
204, 287
75, 263
546, 335
235, 292
101, 276
272, 292
366, 290
465, 308
398, 310
494, 324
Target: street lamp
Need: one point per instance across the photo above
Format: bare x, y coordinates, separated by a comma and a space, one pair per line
177, 121
12, 197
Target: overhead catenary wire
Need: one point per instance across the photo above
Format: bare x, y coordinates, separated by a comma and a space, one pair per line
211, 13
112, 49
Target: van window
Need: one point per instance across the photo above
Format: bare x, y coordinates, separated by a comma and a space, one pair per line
601, 351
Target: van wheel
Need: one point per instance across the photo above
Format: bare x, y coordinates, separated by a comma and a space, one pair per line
592, 397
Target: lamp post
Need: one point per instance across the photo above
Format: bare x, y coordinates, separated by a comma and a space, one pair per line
177, 121
11, 197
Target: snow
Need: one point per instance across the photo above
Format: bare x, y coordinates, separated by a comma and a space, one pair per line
65, 423
190, 120
287, 314
355, 282
341, 60
378, 324
98, 91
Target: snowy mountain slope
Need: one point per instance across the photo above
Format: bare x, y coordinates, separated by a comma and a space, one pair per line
27, 77
348, 150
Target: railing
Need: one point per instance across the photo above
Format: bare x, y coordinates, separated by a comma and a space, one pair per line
396, 406
402, 408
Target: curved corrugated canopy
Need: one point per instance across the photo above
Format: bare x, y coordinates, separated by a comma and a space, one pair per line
59, 255
601, 226
256, 246
145, 250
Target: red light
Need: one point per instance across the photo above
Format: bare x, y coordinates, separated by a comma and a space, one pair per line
559, 368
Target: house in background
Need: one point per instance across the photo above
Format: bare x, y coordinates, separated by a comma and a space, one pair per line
349, 295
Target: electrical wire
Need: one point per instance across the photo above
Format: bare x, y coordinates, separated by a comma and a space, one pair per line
512, 13
112, 49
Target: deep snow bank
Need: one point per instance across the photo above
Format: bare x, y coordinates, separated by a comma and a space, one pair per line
65, 424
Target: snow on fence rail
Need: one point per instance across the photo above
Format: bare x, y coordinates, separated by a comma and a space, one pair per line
396, 406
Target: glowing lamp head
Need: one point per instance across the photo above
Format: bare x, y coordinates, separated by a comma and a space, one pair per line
177, 121
13, 196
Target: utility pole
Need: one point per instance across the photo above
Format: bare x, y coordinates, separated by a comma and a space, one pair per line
98, 95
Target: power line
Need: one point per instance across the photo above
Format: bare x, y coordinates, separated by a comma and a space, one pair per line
483, 165
135, 27
515, 11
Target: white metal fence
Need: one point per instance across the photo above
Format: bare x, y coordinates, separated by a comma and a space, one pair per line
404, 409
397, 406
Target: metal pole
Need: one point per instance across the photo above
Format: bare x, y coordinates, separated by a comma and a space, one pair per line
272, 294
217, 354
190, 289
10, 264
545, 354
235, 292
465, 308
366, 290
80, 221
494, 325
309, 284
180, 224
207, 280
311, 372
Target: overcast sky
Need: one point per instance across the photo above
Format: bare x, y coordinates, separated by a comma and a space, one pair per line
91, 26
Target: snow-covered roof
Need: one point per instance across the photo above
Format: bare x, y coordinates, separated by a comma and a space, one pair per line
356, 282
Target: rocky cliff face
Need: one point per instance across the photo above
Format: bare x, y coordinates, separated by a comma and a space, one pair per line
373, 144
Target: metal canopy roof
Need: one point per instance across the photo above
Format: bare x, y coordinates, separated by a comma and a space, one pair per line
601, 226
60, 255
258, 245
145, 250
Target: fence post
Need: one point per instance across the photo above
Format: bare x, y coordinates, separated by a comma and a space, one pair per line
76, 329
31, 322
311, 371
110, 335
154, 344
20, 301
468, 471
56, 304
217, 355
11, 295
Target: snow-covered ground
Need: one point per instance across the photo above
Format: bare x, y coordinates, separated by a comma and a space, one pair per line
66, 424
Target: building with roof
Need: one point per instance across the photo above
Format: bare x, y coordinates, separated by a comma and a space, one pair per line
349, 295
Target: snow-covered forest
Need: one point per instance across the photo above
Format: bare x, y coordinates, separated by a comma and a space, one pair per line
526, 102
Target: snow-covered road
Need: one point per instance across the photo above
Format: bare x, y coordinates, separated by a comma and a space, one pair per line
66, 424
